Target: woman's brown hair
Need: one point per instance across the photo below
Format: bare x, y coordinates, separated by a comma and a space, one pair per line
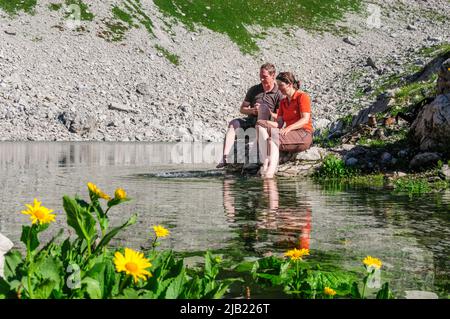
288, 78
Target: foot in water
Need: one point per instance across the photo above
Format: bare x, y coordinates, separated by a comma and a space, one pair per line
222, 163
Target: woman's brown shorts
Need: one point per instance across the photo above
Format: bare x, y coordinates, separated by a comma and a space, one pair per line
294, 141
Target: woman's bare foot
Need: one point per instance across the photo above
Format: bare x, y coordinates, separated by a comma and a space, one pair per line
222, 163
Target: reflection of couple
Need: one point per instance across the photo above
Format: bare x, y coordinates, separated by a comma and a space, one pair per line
264, 102
289, 220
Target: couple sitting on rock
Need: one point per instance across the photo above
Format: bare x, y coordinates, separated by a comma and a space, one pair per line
281, 114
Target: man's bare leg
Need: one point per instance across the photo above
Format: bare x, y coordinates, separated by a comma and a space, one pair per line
229, 142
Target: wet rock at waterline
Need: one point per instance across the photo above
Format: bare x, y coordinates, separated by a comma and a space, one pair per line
424, 160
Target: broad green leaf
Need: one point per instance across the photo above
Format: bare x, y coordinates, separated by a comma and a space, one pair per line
176, 286
30, 237
129, 293
92, 288
12, 260
44, 289
384, 292
79, 218
245, 266
51, 269
107, 238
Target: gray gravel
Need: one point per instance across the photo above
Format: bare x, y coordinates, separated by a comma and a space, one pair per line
60, 84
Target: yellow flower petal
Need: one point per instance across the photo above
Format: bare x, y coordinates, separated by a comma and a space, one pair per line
370, 261
132, 263
160, 231
297, 254
39, 214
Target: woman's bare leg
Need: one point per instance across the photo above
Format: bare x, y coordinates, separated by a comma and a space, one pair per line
274, 155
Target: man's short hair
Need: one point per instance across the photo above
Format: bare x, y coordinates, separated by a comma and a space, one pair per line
269, 67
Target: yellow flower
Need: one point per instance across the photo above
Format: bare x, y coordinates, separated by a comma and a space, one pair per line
120, 194
328, 291
371, 261
97, 191
39, 213
297, 254
132, 263
160, 231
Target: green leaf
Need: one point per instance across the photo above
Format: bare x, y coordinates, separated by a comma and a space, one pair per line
129, 293
51, 269
12, 260
116, 201
107, 238
245, 266
92, 287
79, 218
355, 291
384, 292
176, 286
103, 273
44, 289
5, 289
30, 235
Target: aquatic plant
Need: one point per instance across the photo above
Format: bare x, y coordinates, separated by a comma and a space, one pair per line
86, 267
334, 168
301, 280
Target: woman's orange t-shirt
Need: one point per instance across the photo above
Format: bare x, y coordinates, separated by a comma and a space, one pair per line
300, 103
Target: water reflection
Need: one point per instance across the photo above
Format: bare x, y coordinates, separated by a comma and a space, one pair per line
268, 221
239, 217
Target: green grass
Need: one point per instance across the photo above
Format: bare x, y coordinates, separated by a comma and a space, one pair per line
12, 7
85, 13
125, 16
233, 17
371, 142
334, 168
173, 58
55, 6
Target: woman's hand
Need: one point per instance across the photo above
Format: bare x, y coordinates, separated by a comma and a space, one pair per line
285, 130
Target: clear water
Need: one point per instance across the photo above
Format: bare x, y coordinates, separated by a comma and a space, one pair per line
237, 217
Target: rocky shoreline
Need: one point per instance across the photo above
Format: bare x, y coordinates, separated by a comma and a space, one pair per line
58, 84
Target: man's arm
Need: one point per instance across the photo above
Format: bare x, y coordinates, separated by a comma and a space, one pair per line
246, 109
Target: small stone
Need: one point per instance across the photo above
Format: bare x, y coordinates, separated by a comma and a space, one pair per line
121, 108
370, 62
143, 89
351, 161
434, 39
350, 41
386, 158
411, 27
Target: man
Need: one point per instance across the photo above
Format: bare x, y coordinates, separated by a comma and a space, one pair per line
263, 98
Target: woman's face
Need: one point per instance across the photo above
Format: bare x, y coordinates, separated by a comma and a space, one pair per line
284, 87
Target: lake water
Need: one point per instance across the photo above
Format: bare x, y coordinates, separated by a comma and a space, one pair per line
234, 216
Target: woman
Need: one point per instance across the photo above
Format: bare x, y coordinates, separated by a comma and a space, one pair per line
296, 136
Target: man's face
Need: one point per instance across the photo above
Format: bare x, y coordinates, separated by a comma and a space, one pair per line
266, 78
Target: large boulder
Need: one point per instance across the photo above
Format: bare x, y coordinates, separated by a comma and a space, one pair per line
5, 246
431, 129
424, 160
